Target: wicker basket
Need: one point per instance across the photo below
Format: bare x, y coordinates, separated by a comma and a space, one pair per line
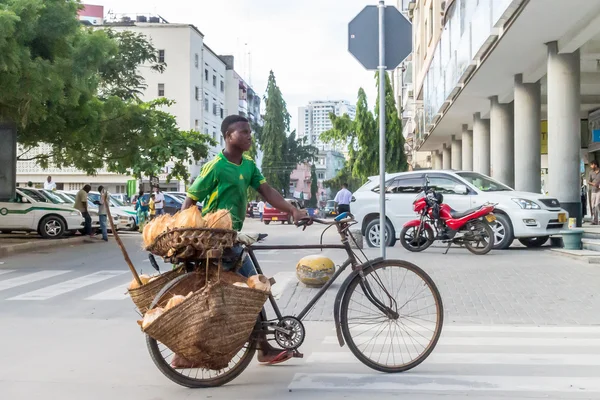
181, 244
145, 294
213, 325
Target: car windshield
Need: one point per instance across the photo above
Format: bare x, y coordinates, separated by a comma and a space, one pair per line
35, 195
116, 202
483, 183
330, 203
64, 197
53, 197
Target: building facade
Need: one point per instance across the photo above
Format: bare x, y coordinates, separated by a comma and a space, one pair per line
509, 88
313, 119
195, 77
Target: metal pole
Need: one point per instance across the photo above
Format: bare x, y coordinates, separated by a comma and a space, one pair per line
381, 68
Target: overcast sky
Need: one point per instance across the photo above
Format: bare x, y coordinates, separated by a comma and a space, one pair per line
303, 41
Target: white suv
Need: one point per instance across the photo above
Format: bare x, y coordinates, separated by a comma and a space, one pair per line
51, 221
529, 217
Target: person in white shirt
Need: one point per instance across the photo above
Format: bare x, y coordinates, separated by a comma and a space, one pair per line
342, 199
49, 185
261, 209
159, 201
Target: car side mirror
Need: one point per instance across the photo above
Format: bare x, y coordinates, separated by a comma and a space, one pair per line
461, 189
24, 200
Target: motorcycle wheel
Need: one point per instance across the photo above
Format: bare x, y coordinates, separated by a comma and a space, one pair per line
483, 242
413, 244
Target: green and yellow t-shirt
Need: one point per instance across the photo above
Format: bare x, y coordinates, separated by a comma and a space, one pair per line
223, 185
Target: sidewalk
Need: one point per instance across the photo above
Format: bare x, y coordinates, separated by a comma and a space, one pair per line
15, 244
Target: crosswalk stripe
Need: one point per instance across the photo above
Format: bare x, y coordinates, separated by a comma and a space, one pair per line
282, 279
6, 271
29, 278
116, 293
445, 383
489, 341
498, 329
67, 286
468, 358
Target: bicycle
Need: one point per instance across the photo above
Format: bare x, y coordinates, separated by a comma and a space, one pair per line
352, 319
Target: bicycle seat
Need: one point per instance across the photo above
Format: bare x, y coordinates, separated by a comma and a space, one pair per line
460, 214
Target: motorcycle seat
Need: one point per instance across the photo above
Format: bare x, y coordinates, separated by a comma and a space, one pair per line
460, 214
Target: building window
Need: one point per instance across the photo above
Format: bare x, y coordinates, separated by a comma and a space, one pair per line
214, 108
206, 104
161, 90
222, 112
197, 93
214, 80
221, 141
206, 75
161, 56
196, 125
196, 60
320, 175
430, 30
222, 86
214, 133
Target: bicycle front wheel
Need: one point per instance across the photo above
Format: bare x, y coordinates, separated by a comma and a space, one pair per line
393, 341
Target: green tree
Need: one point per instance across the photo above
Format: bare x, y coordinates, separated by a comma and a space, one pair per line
78, 90
344, 176
282, 152
395, 155
314, 187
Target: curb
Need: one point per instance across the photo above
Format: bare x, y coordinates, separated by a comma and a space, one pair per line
589, 257
38, 244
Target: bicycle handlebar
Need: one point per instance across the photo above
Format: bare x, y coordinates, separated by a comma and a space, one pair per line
304, 222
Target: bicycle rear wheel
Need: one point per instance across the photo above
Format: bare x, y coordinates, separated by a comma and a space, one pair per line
198, 377
383, 342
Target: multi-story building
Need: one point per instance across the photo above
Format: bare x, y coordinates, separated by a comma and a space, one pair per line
313, 119
509, 88
195, 78
241, 99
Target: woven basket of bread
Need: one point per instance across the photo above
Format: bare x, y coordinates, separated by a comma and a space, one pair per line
188, 236
211, 325
143, 295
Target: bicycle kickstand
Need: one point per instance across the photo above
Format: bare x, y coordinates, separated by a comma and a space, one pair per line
448, 248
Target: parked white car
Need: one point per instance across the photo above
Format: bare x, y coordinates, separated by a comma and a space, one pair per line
126, 221
50, 220
529, 217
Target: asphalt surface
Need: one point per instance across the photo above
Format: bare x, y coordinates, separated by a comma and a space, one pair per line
518, 324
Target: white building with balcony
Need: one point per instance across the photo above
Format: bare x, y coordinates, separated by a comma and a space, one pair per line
313, 119
510, 88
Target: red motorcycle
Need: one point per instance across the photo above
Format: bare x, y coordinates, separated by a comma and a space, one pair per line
438, 221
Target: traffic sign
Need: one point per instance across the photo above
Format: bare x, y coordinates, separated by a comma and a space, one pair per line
363, 36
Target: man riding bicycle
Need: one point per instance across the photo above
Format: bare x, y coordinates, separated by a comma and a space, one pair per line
223, 184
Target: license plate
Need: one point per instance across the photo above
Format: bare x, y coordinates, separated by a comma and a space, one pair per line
490, 218
562, 218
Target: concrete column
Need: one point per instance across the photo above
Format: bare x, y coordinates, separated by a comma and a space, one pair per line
502, 142
564, 129
456, 149
528, 157
467, 148
481, 144
436, 159
446, 157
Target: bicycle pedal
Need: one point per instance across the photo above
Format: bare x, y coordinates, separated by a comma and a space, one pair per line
272, 281
297, 354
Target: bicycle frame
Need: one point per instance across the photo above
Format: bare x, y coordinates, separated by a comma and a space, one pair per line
351, 260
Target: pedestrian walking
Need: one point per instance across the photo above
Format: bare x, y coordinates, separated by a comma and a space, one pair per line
152, 206
81, 204
102, 214
342, 199
594, 183
261, 209
142, 211
159, 201
49, 184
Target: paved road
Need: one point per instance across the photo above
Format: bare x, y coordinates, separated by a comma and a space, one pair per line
519, 324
